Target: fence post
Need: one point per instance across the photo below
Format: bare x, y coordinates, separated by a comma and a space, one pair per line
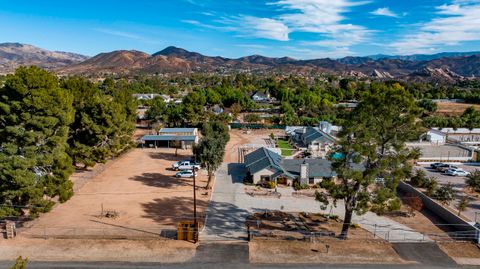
44, 232
374, 230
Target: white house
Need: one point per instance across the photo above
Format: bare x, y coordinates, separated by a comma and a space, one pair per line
436, 136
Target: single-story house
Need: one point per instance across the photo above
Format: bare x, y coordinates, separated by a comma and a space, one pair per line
260, 97
265, 165
172, 138
145, 96
151, 96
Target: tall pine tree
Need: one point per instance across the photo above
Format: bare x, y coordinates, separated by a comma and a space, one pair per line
35, 114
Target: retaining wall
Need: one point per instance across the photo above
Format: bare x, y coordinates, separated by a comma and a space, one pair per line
448, 216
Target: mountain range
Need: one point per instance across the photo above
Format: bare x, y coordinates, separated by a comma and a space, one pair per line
13, 55
444, 66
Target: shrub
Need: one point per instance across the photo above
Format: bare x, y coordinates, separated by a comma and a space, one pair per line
20, 263
431, 185
463, 204
297, 186
419, 179
270, 185
354, 226
473, 180
445, 194
394, 205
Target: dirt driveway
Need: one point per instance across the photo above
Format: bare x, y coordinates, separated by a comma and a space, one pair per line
140, 187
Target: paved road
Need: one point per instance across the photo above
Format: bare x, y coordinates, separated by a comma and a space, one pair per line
225, 264
230, 205
425, 253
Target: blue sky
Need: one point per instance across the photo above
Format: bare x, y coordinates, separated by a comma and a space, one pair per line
301, 29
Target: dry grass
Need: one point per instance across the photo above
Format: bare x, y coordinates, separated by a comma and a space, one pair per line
339, 252
462, 252
454, 109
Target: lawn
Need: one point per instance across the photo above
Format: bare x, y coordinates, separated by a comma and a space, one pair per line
287, 150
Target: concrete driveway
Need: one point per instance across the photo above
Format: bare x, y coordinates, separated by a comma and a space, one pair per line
230, 206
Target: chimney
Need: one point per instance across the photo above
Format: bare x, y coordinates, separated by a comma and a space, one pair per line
304, 173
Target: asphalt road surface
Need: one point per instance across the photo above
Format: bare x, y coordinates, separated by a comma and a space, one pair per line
226, 264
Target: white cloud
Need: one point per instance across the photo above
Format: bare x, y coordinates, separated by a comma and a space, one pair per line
118, 33
264, 28
384, 11
324, 17
456, 23
306, 53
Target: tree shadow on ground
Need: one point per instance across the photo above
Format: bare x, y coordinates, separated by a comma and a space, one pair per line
237, 171
170, 156
222, 218
170, 211
162, 181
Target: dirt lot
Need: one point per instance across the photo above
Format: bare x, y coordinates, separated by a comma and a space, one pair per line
423, 222
462, 252
239, 138
454, 108
343, 252
140, 187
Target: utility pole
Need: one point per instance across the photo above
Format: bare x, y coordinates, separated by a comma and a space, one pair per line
194, 200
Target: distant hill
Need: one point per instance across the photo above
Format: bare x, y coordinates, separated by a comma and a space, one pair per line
439, 67
424, 57
13, 55
173, 59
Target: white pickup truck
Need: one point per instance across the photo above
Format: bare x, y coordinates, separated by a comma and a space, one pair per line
185, 165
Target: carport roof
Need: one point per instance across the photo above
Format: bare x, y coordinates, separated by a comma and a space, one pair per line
177, 130
169, 138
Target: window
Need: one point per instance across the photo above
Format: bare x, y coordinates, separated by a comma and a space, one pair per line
265, 178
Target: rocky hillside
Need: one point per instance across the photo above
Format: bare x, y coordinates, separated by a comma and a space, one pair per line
13, 55
172, 60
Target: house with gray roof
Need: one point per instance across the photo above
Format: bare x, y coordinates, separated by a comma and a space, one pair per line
265, 165
317, 141
259, 97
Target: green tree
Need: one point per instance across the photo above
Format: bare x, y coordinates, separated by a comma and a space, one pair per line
209, 152
156, 110
252, 118
373, 142
473, 180
35, 114
445, 194
463, 204
236, 109
103, 124
216, 130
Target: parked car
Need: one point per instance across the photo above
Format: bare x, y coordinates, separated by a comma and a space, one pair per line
185, 173
435, 165
444, 167
185, 165
457, 172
